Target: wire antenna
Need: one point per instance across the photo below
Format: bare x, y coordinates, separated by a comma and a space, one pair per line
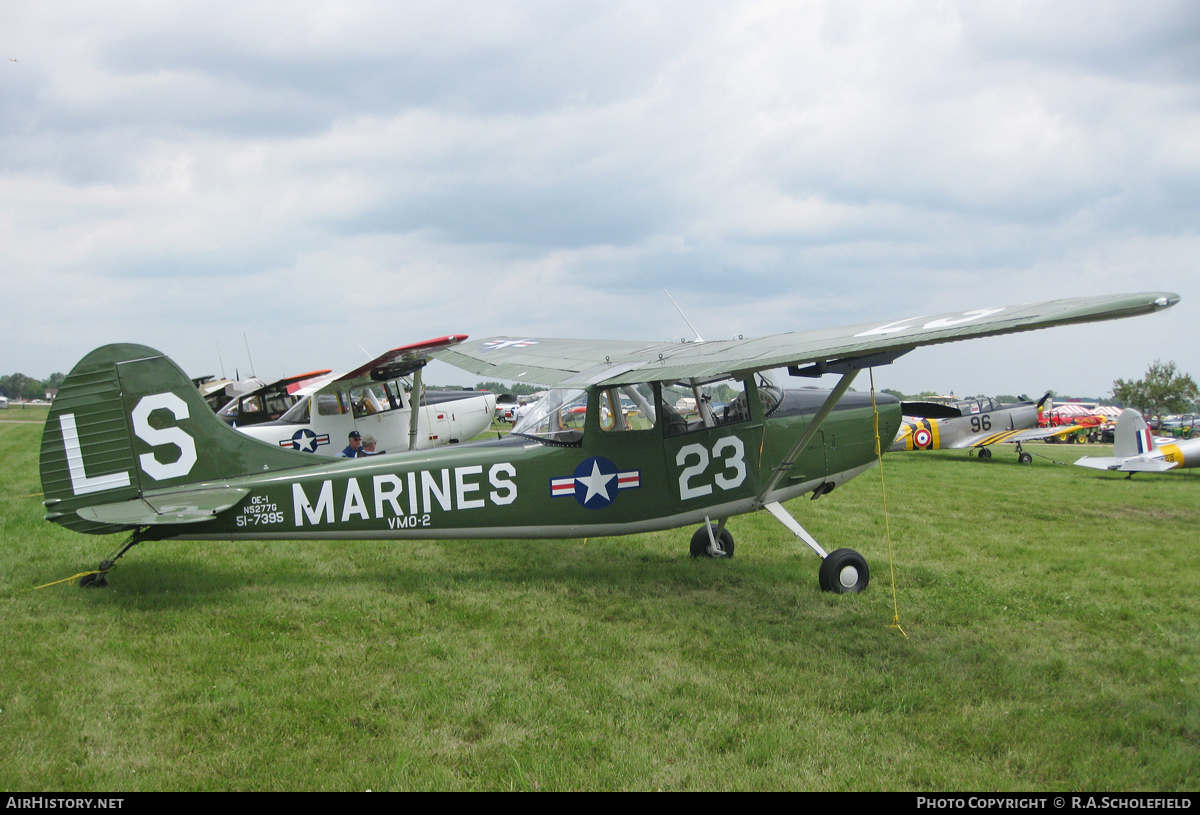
684, 316
248, 353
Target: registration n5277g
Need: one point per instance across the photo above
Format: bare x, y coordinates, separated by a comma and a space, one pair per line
259, 512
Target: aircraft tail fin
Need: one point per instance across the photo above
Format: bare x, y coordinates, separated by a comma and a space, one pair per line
1133, 437
127, 427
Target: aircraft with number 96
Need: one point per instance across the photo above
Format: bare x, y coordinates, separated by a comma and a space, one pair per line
129, 447
975, 424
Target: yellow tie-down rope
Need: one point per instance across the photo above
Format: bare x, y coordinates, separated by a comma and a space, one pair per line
886, 526
70, 579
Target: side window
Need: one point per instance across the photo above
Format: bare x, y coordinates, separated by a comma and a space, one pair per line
394, 390
328, 404
720, 403
251, 404
557, 418
298, 413
277, 404
368, 401
627, 408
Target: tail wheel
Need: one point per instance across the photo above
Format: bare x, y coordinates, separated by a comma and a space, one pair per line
844, 571
702, 547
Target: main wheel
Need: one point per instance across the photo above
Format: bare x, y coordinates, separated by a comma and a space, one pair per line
1025, 458
984, 452
701, 547
844, 571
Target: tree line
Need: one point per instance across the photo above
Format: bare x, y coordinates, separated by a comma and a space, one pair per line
20, 386
1163, 390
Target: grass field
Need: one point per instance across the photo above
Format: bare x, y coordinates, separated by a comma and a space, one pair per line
1053, 643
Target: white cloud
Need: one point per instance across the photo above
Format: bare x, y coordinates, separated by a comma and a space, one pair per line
326, 175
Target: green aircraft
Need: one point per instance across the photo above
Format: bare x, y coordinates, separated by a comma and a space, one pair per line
129, 446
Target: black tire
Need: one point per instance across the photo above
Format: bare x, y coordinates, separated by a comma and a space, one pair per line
93, 581
985, 453
1025, 458
699, 545
844, 571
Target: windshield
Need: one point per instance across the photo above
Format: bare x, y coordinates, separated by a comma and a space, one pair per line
298, 413
557, 417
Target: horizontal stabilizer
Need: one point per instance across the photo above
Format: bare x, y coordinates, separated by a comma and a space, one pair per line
1127, 465
178, 508
1099, 463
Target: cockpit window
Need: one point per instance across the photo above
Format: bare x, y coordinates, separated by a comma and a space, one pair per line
298, 413
369, 400
719, 403
332, 404
557, 417
629, 407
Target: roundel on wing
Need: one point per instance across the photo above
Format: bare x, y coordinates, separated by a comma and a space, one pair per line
922, 438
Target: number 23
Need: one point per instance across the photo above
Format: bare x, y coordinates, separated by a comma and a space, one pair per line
735, 461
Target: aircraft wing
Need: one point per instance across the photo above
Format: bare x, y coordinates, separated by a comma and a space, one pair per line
397, 357
397, 362
1029, 434
615, 362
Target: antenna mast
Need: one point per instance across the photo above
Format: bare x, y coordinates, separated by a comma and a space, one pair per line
684, 316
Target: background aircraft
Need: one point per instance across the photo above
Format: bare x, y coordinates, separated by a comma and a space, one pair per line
974, 424
130, 447
253, 401
1136, 450
376, 399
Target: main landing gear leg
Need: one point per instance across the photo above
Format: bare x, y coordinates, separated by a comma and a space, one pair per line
712, 541
99, 578
843, 571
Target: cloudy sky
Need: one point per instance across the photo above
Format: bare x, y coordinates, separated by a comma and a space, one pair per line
332, 177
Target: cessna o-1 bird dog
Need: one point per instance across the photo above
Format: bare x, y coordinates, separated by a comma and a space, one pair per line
130, 447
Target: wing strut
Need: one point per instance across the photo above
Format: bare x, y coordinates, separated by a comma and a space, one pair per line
701, 403
781, 469
781, 515
414, 408
849, 369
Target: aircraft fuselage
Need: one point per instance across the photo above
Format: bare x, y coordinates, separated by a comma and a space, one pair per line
611, 483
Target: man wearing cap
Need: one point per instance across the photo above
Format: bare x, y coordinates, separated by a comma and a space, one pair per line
368, 446
354, 449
